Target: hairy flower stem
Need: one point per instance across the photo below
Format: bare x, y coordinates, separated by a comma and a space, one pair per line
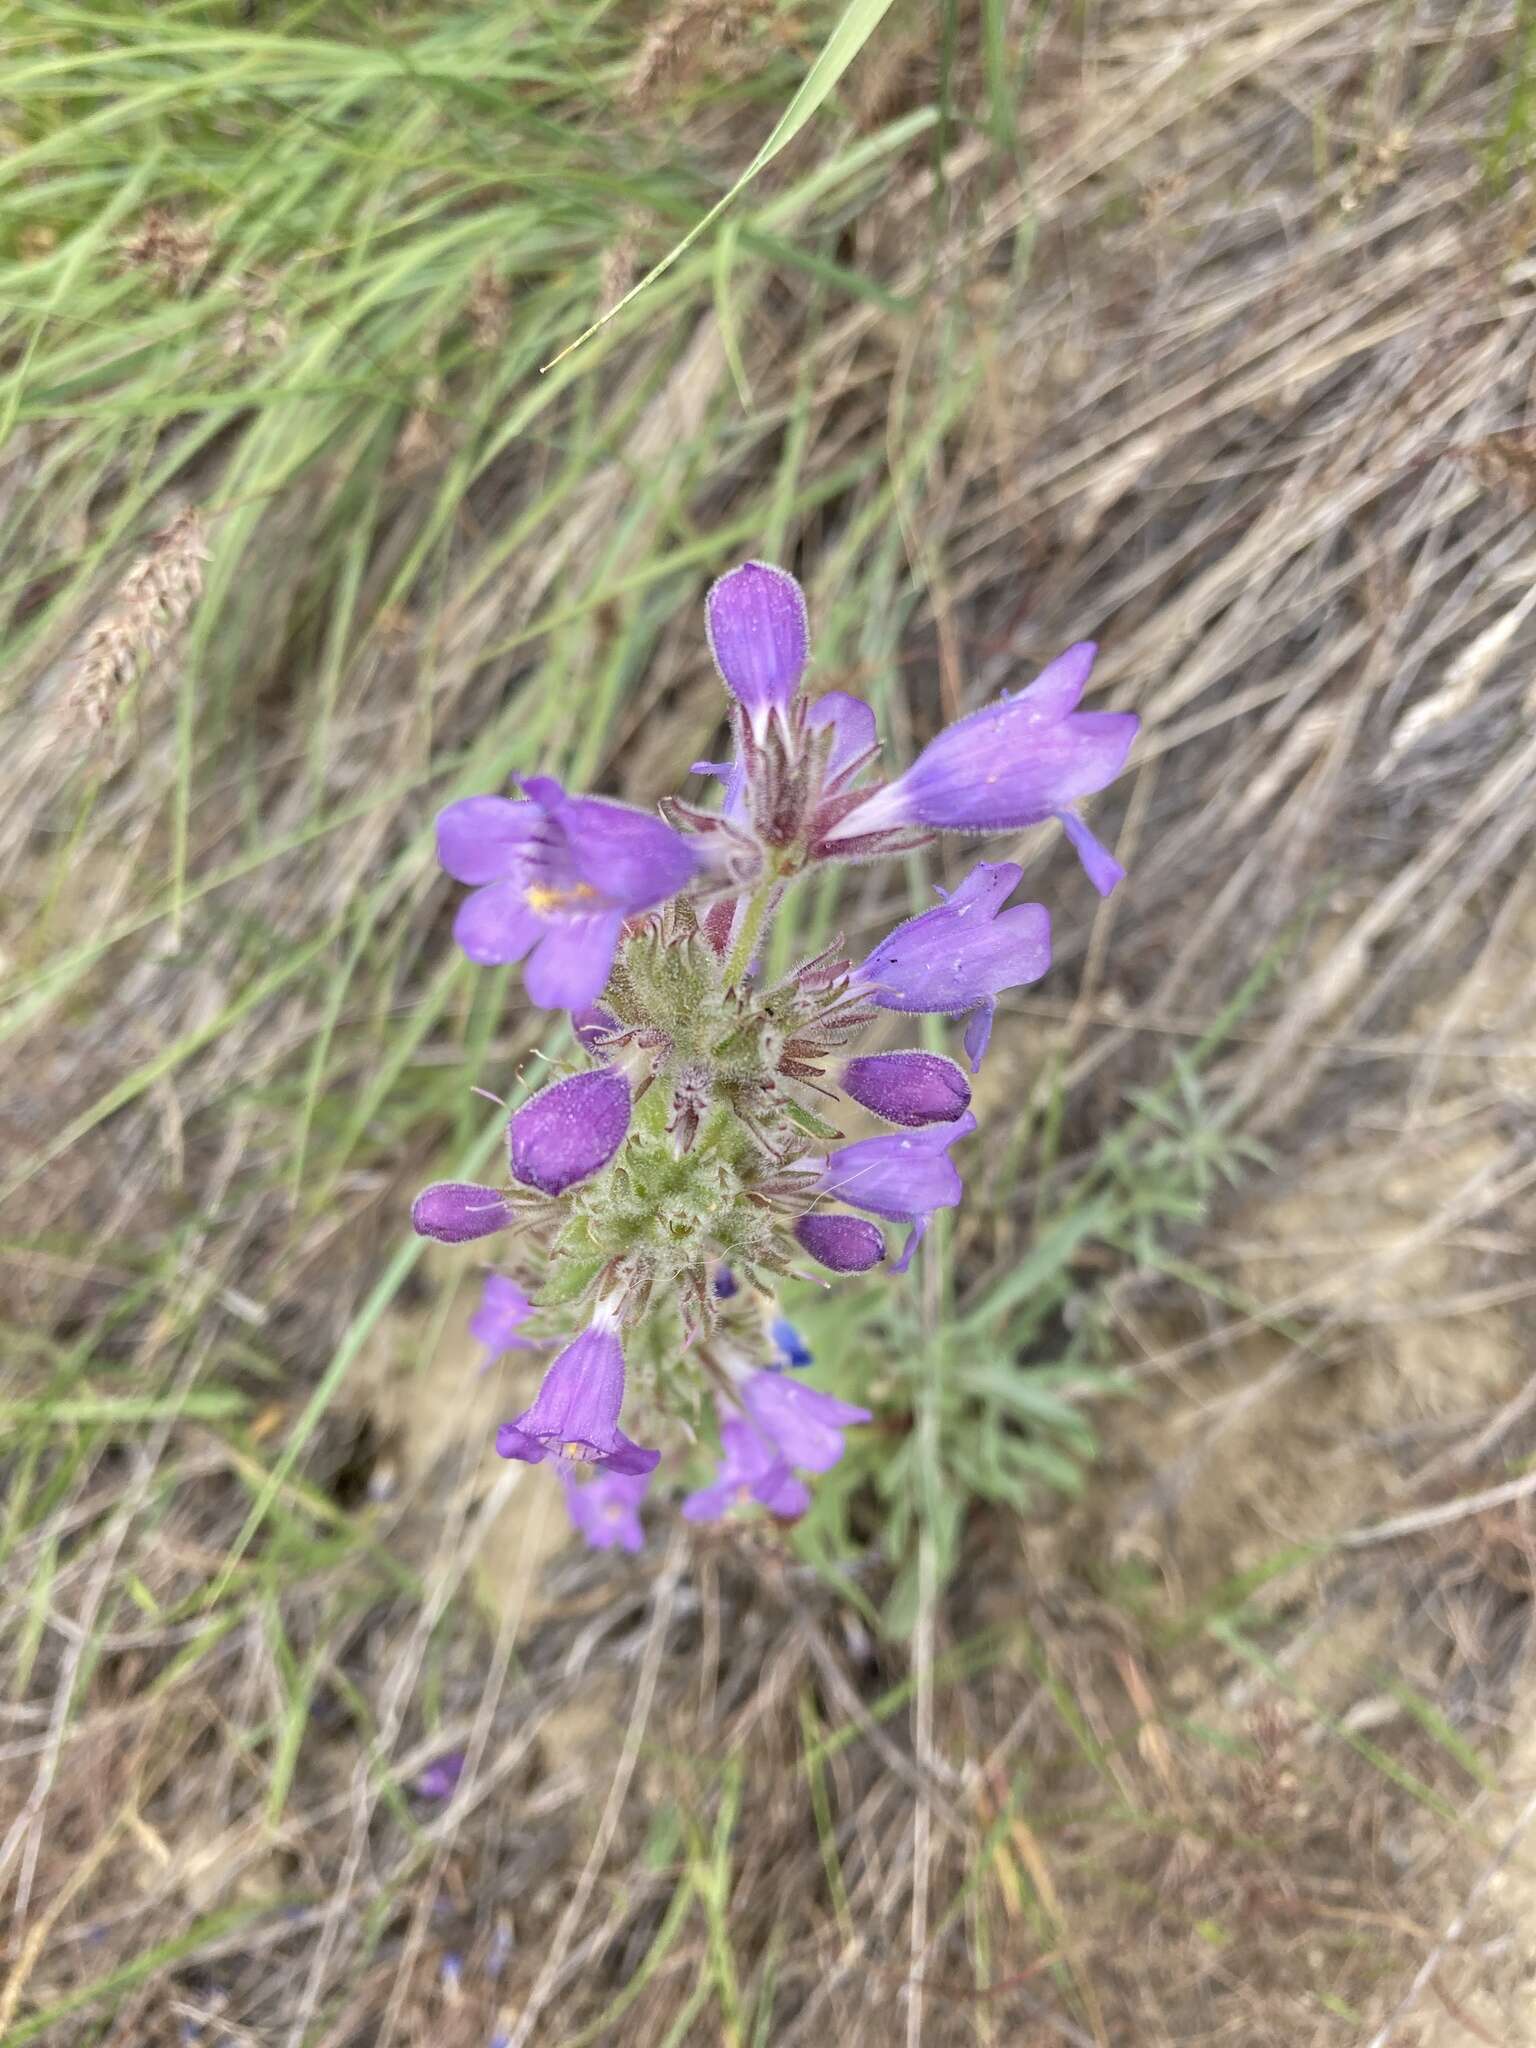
752, 923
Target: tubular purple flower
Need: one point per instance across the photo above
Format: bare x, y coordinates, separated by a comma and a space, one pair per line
503, 1309
843, 1243
910, 1088
1013, 763
961, 956
756, 621
555, 879
606, 1508
569, 1130
455, 1211
750, 1468
575, 1415
805, 1424
904, 1178
856, 740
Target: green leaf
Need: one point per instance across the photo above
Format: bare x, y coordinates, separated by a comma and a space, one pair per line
1045, 1262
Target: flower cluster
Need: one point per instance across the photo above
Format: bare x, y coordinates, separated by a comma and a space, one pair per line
658, 1192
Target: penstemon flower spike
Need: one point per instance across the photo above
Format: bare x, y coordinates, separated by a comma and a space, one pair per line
687, 1158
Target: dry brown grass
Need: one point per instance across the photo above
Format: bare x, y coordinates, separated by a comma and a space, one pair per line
1256, 415
149, 609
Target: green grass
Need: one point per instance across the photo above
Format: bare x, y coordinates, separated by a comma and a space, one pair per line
392, 225
480, 365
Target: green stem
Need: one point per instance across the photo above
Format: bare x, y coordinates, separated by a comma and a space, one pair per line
751, 931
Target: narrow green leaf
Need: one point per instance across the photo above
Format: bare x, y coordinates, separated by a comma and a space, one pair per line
855, 26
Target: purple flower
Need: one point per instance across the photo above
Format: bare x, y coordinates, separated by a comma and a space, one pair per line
454, 1211
750, 1468
805, 1424
734, 775
592, 1025
911, 1088
962, 955
755, 618
503, 1309
792, 1347
904, 1178
846, 1244
726, 1283
556, 877
606, 1508
575, 1415
855, 742
570, 1130
440, 1776
1013, 763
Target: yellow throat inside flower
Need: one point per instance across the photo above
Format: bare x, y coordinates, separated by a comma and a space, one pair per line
543, 900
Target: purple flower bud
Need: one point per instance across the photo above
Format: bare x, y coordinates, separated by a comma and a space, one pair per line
911, 1088
846, 1244
750, 1468
1013, 763
555, 879
575, 1415
503, 1309
454, 1211
904, 1178
606, 1508
806, 1424
961, 956
755, 618
440, 1776
569, 1130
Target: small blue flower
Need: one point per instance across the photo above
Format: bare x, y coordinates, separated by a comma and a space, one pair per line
791, 1346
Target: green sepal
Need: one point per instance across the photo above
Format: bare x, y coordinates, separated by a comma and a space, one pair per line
808, 1121
567, 1280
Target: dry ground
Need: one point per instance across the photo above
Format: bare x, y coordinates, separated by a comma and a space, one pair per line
1239, 1747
